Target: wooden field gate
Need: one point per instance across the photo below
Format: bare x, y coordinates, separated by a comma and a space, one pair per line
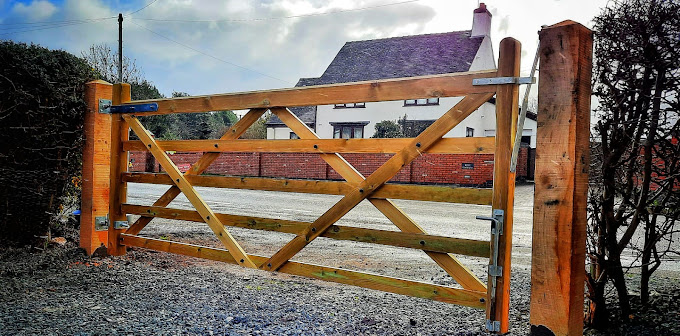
105, 210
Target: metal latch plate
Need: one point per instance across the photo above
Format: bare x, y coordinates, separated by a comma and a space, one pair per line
503, 80
101, 223
105, 106
495, 270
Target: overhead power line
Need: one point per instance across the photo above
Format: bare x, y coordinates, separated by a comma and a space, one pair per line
139, 10
281, 17
209, 55
49, 26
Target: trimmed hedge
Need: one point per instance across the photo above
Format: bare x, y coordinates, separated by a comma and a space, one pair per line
41, 121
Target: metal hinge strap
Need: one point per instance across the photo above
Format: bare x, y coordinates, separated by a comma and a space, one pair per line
503, 80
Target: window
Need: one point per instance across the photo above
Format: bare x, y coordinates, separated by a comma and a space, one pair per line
421, 102
526, 139
469, 132
348, 130
351, 105
294, 136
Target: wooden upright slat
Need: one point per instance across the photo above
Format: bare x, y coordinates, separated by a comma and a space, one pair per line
507, 105
119, 165
393, 191
366, 280
446, 85
562, 164
478, 145
423, 141
415, 240
448, 262
201, 165
188, 190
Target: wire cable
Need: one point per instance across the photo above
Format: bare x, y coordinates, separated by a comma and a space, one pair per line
53, 26
139, 10
282, 17
211, 56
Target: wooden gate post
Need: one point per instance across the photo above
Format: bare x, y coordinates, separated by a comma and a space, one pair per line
560, 199
95, 179
119, 164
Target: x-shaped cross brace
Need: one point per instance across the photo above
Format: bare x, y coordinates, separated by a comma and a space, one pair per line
366, 186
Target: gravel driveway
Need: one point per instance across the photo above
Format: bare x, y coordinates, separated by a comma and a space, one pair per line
62, 292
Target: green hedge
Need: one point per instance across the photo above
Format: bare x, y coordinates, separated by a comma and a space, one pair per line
41, 123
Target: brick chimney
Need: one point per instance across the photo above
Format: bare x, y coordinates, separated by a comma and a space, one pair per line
481, 21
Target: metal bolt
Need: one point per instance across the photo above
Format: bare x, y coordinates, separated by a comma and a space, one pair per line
216, 146
418, 145
422, 242
207, 217
313, 229
361, 190
149, 145
242, 260
269, 265
482, 300
316, 146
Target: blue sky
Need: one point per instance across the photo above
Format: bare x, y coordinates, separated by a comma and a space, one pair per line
251, 46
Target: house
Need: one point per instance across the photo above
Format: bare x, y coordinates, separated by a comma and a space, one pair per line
405, 56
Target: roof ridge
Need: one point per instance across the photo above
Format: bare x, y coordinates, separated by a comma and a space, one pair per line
407, 36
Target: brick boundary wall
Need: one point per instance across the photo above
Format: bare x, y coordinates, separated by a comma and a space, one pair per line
459, 169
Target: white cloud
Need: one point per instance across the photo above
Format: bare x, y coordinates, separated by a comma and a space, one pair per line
37, 10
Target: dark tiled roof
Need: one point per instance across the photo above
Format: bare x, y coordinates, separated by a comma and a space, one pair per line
396, 57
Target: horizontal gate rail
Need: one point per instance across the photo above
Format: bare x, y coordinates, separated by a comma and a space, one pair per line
426, 242
446, 85
470, 298
391, 191
479, 145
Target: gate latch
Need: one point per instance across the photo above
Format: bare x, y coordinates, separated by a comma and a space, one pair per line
495, 270
101, 223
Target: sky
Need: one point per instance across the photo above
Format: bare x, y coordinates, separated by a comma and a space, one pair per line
210, 46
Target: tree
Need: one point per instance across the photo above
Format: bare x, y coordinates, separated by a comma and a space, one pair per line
634, 177
105, 61
258, 130
387, 129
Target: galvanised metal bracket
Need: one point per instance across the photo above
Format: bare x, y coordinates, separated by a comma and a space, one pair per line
101, 223
495, 270
132, 108
493, 326
503, 80
118, 225
105, 106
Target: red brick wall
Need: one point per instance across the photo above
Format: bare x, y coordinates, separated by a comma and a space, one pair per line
428, 168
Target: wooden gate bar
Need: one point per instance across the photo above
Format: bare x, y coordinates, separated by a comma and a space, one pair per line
507, 105
449, 263
394, 191
361, 279
562, 165
441, 244
180, 181
473, 145
201, 165
423, 141
433, 86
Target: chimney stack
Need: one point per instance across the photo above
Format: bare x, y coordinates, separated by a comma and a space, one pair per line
481, 22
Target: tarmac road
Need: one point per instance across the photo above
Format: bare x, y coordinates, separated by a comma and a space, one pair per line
454, 220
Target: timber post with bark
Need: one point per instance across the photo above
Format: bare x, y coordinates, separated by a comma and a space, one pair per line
562, 163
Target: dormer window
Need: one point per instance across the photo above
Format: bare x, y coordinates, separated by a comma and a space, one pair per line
351, 105
421, 102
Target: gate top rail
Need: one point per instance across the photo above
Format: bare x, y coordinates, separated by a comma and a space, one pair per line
434, 86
